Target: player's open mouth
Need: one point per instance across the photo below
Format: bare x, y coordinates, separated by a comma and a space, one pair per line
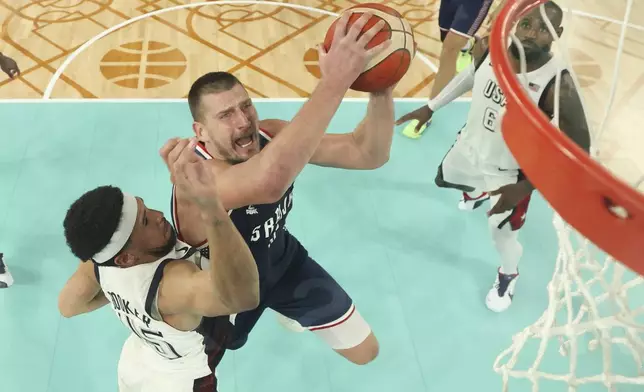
244, 142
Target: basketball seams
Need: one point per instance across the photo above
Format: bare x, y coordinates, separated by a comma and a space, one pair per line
389, 66
408, 30
381, 14
394, 75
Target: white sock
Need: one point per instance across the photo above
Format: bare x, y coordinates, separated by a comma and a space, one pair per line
510, 250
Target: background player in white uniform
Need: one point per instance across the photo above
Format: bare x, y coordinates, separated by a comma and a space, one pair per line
480, 163
257, 163
458, 21
155, 284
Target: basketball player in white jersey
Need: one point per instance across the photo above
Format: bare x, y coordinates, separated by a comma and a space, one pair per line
155, 284
257, 163
480, 163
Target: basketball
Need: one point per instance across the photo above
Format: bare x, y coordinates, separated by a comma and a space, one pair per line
389, 66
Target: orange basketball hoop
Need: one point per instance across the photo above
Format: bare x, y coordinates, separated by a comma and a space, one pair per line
602, 207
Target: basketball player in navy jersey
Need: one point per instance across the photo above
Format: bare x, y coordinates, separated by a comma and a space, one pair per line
160, 288
9, 66
256, 164
480, 164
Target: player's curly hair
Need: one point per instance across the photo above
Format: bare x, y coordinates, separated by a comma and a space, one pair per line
212, 82
92, 220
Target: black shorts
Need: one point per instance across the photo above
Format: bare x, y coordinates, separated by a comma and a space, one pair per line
464, 17
303, 292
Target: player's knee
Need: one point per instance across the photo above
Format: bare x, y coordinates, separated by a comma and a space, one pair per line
364, 352
351, 337
453, 44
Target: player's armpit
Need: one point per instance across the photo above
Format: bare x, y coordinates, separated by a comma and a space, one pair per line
82, 293
186, 289
572, 118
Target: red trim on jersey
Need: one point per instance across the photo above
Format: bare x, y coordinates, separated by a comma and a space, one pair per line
335, 324
265, 134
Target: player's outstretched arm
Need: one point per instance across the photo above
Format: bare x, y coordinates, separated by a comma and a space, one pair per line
82, 292
232, 283
285, 156
462, 83
367, 147
572, 118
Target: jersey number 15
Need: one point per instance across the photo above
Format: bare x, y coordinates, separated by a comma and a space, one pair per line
153, 339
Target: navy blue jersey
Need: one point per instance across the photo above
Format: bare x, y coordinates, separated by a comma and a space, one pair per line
261, 225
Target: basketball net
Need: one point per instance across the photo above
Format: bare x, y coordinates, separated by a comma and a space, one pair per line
590, 300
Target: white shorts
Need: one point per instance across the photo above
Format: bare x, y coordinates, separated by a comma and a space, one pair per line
462, 166
463, 169
137, 372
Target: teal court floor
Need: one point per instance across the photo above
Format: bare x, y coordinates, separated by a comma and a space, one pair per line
417, 267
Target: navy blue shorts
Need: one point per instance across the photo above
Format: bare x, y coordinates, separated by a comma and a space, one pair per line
464, 17
302, 291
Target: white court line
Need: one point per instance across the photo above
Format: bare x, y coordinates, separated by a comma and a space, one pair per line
604, 18
128, 22
82, 48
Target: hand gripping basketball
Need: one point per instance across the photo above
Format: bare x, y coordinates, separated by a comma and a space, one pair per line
348, 55
190, 173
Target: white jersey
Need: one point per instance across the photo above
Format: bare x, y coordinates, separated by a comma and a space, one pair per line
132, 293
483, 128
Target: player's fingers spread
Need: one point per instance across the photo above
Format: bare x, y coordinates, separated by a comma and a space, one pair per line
356, 28
341, 26
371, 53
369, 34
